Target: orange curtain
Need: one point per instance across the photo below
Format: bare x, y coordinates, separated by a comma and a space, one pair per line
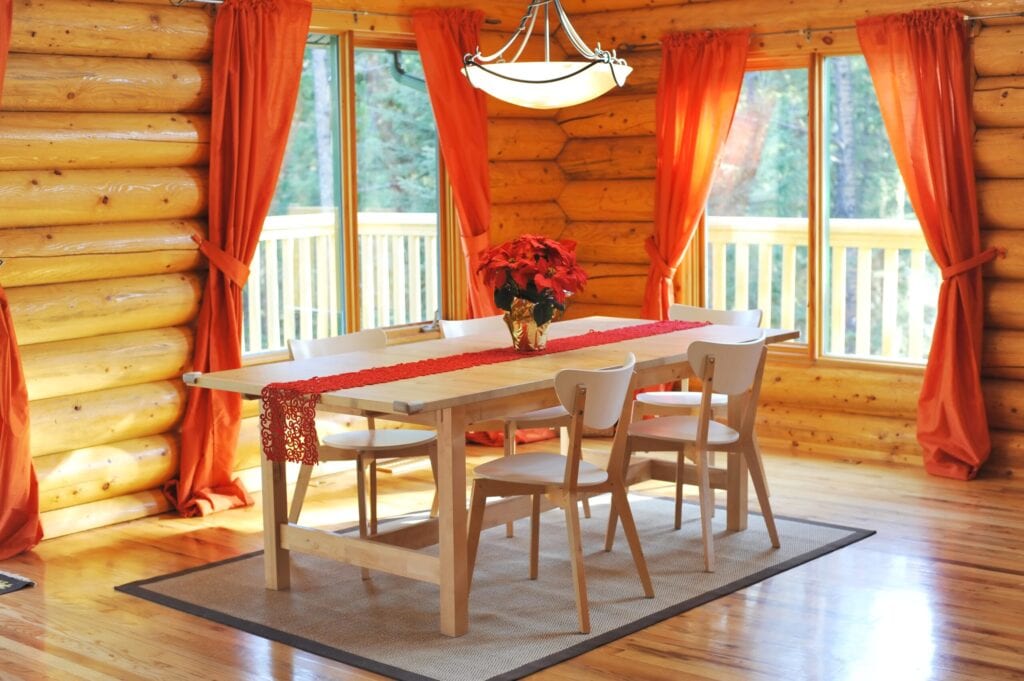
919, 63
443, 37
701, 77
20, 528
257, 64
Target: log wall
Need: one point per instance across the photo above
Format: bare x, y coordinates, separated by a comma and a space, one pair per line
606, 203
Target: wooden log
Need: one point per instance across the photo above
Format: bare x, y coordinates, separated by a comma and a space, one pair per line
56, 312
1001, 204
794, 442
612, 242
608, 200
35, 256
124, 30
525, 181
647, 23
613, 284
37, 140
998, 50
1003, 304
999, 152
1012, 266
1007, 456
871, 392
999, 102
618, 116
89, 474
578, 310
65, 521
609, 158
34, 198
1002, 354
89, 364
62, 423
247, 453
105, 84
509, 220
524, 139
1003, 403
877, 437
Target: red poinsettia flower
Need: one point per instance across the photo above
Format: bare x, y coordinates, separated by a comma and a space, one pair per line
534, 267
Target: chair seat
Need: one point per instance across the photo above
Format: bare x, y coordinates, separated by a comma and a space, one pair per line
540, 415
682, 428
677, 398
380, 440
540, 468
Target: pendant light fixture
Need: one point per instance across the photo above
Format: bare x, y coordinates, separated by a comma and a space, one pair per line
545, 84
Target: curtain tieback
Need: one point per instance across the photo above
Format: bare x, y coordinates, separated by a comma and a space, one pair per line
659, 264
232, 268
970, 263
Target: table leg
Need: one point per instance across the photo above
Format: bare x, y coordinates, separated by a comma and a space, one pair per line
452, 519
276, 563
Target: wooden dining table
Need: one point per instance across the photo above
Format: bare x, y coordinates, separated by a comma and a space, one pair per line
448, 402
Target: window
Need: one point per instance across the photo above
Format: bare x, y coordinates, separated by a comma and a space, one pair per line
307, 279
768, 240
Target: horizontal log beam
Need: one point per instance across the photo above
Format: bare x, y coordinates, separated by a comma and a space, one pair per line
525, 181
101, 362
1001, 204
105, 84
608, 200
610, 116
1002, 303
997, 50
1002, 403
611, 242
60, 424
871, 392
509, 220
36, 140
609, 158
34, 198
39, 271
43, 314
579, 310
999, 152
74, 27
1012, 266
999, 102
65, 521
524, 139
1007, 456
90, 474
1002, 354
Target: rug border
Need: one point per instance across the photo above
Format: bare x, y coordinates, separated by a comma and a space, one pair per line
137, 589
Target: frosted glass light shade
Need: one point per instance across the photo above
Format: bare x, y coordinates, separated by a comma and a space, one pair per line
546, 84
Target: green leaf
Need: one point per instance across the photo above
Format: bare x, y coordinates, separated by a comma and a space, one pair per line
503, 298
543, 313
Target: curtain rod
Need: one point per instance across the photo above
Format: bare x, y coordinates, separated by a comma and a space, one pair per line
364, 12
805, 32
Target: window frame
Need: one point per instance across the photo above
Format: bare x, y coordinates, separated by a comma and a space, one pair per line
810, 353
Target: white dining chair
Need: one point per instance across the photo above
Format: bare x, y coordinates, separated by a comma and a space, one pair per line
365, 447
599, 399
663, 402
552, 417
733, 370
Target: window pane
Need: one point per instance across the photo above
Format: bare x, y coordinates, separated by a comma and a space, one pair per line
398, 189
757, 212
294, 282
880, 284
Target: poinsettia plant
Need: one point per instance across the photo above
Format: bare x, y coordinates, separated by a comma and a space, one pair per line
535, 268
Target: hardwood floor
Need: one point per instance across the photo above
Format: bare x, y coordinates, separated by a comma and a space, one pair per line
938, 593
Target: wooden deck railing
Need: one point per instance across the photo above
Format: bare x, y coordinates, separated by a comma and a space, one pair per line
887, 309
294, 290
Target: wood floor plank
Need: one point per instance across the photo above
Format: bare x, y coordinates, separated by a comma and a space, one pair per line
937, 593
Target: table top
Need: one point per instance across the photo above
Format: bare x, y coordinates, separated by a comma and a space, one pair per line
479, 383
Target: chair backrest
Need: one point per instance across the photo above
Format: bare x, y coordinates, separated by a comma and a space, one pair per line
606, 391
689, 313
736, 364
455, 328
369, 339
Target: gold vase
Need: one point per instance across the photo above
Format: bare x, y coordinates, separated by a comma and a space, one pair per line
527, 334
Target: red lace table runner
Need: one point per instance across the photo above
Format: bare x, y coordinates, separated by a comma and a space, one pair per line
287, 425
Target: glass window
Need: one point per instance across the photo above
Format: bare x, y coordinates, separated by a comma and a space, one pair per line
757, 216
880, 283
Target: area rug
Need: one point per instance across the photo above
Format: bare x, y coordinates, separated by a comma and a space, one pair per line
10, 582
389, 625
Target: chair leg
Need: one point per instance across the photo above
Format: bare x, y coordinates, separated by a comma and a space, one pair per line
433, 472
373, 496
585, 502
361, 493
756, 466
680, 467
609, 536
535, 537
510, 450
299, 497
572, 523
477, 504
706, 502
620, 501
